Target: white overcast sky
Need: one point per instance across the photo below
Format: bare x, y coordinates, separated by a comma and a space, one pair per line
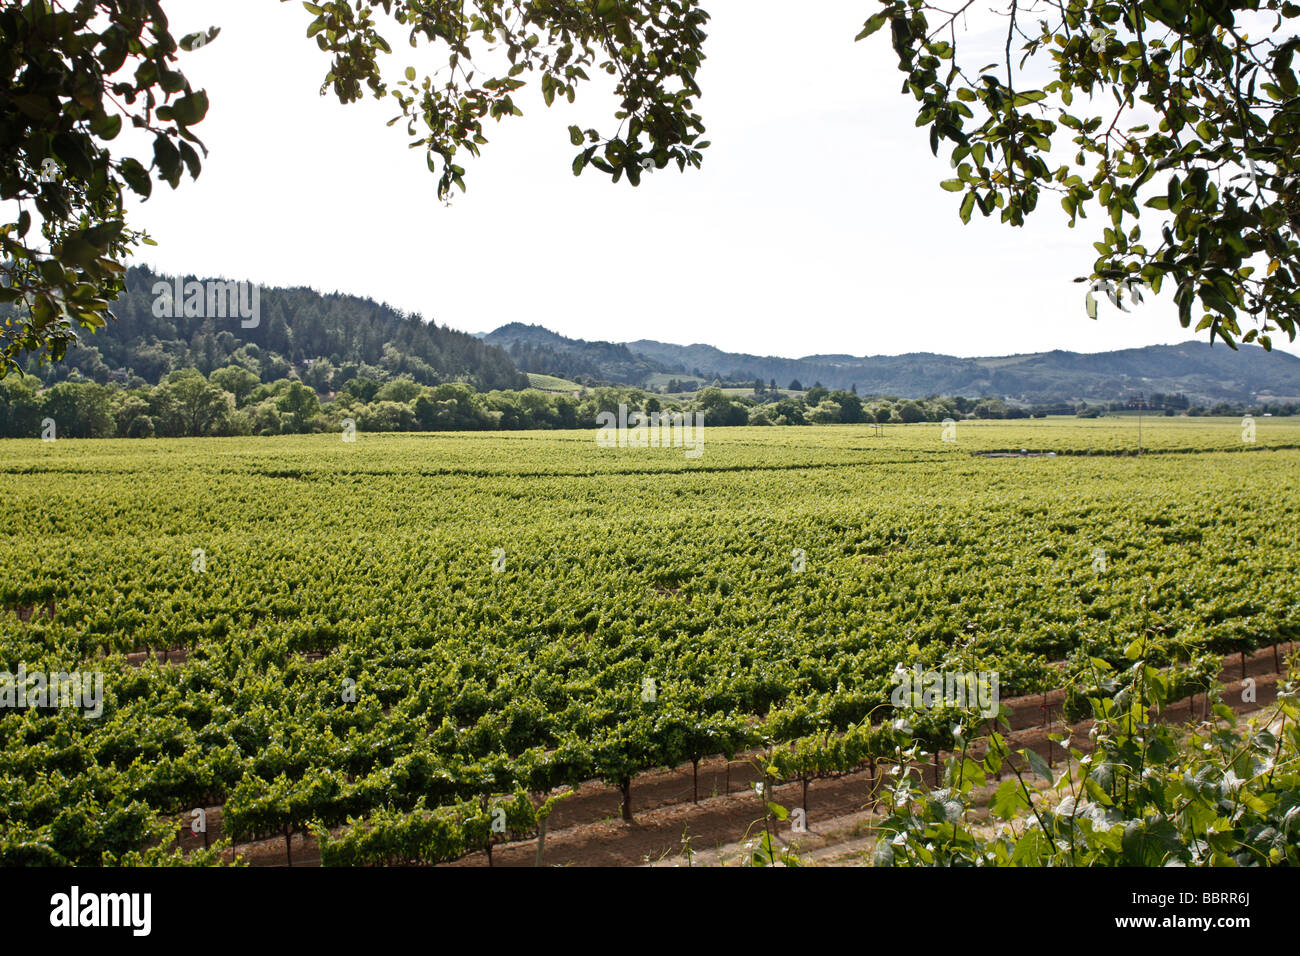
815, 226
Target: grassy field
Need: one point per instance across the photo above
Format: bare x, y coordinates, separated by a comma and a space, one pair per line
552, 383
500, 601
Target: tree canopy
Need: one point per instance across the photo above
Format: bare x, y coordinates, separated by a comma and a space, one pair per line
74, 77
1188, 110
1182, 120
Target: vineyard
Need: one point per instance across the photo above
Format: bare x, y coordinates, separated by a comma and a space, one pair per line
411, 645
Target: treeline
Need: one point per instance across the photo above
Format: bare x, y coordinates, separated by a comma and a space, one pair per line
1170, 405
325, 339
234, 401
822, 406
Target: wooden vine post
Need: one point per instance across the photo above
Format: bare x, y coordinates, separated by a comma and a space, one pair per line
483, 803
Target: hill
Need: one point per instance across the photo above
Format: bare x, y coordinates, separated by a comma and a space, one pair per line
1205, 374
332, 338
535, 349
296, 328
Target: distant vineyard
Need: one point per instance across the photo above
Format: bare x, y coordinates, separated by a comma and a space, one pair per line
401, 635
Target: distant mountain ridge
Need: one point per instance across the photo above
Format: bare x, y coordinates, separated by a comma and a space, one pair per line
329, 338
1205, 374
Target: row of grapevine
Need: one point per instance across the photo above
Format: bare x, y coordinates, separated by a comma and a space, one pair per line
401, 636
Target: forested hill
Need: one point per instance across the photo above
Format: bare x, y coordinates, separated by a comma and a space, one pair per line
536, 349
1205, 374
296, 327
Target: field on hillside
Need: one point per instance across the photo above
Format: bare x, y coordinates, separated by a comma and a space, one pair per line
410, 622
552, 383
